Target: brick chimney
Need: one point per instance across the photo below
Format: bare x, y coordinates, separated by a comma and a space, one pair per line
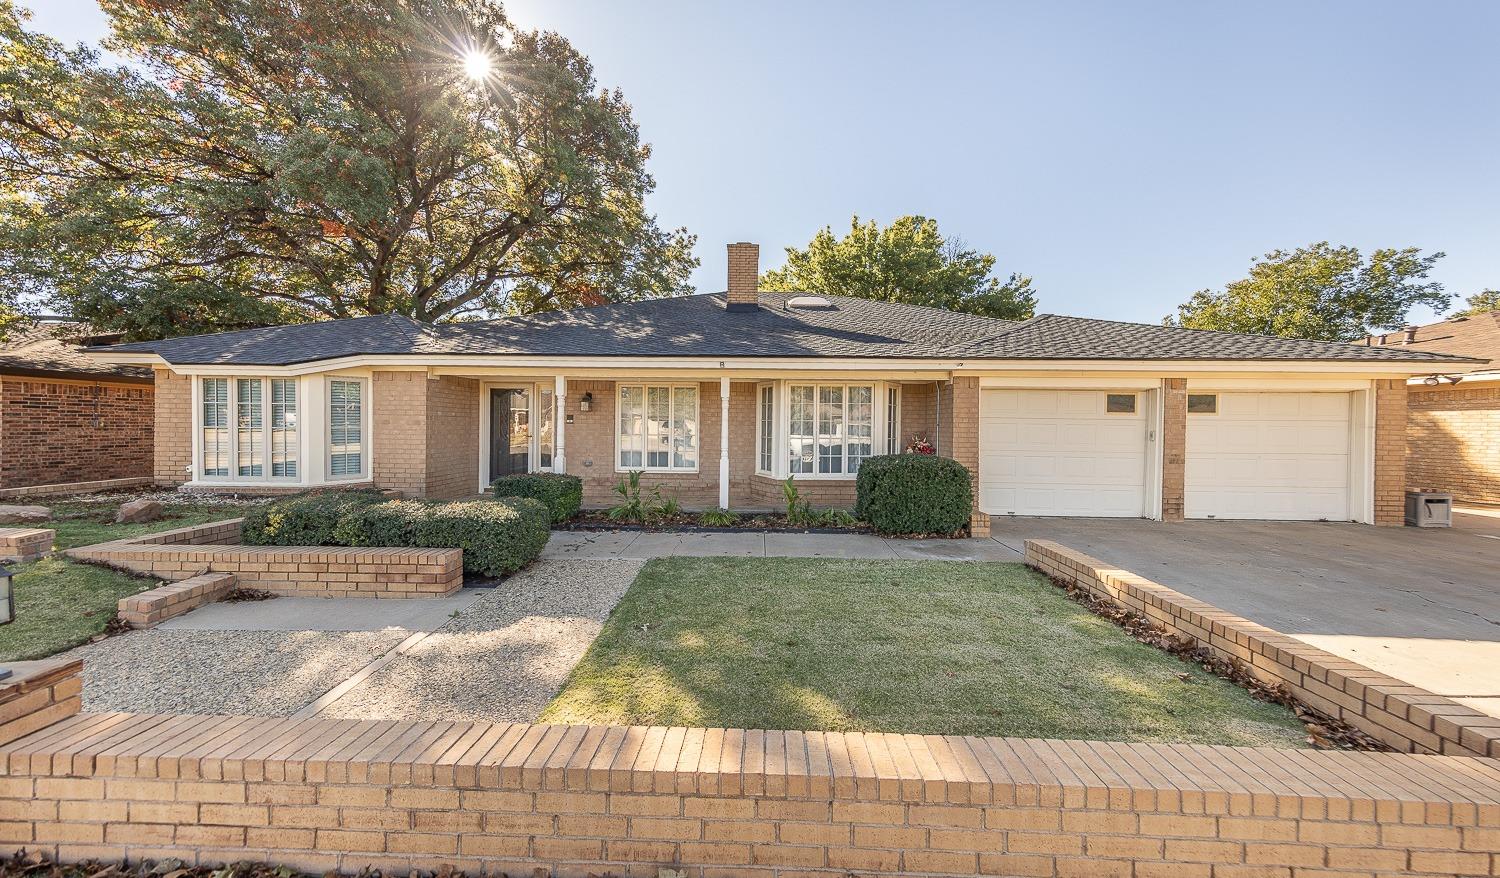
744, 276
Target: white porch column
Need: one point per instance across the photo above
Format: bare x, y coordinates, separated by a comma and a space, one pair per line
723, 443
559, 423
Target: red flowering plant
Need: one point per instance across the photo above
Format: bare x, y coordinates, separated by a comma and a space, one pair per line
920, 446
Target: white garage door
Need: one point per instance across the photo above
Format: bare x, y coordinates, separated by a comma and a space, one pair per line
1062, 452
1280, 456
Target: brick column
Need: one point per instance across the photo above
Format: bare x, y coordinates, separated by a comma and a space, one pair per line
1390, 452
1173, 448
400, 427
173, 432
963, 420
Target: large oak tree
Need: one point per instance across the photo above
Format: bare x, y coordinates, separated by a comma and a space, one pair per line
268, 160
908, 261
1319, 292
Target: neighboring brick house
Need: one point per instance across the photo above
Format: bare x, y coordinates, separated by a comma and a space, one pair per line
719, 398
1453, 426
67, 418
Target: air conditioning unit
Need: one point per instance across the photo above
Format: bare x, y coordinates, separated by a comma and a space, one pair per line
1429, 509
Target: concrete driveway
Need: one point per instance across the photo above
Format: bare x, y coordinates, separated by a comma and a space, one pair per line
1419, 604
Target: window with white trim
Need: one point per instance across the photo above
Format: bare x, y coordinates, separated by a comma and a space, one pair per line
284, 437
234, 442
892, 419
766, 435
215, 415
831, 428
658, 427
346, 428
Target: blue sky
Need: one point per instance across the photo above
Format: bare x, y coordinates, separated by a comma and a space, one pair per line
1124, 155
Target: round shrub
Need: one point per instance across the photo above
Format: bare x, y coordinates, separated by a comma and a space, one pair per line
913, 494
307, 519
498, 536
562, 494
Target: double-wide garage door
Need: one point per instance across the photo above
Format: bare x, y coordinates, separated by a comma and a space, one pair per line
1249, 455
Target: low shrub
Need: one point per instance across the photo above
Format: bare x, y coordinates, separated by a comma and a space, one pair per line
498, 536
717, 517
562, 494
307, 519
913, 494
392, 523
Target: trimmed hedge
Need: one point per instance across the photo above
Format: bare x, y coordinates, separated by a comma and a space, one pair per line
913, 494
304, 519
562, 494
498, 536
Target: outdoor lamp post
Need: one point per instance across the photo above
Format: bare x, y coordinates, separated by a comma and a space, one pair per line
7, 607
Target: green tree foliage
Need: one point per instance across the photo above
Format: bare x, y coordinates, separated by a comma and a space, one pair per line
264, 161
908, 261
1480, 303
1319, 292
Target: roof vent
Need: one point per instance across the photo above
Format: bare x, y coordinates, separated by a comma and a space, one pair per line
809, 303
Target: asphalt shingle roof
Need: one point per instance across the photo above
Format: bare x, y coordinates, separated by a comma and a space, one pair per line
53, 349
700, 326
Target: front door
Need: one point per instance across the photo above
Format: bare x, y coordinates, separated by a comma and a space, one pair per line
510, 431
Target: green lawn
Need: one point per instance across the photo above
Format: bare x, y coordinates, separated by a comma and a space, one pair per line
935, 647
83, 524
61, 603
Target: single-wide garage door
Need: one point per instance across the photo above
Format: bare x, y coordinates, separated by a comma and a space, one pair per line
1280, 456
1062, 452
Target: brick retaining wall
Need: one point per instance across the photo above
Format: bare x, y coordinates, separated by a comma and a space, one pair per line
1403, 716
21, 544
173, 599
324, 794
321, 571
36, 695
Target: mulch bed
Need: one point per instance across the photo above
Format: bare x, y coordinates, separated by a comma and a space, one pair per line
599, 520
35, 865
1323, 731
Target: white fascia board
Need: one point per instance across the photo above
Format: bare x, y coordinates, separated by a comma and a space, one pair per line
797, 365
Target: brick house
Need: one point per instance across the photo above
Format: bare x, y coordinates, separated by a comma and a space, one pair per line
1453, 426
66, 417
719, 398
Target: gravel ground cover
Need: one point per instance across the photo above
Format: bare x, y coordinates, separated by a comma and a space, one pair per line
254, 673
503, 658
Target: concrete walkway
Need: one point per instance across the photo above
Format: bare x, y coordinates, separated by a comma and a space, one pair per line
645, 545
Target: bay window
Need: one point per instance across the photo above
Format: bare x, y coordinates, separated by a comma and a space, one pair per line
346, 428
658, 428
829, 429
234, 442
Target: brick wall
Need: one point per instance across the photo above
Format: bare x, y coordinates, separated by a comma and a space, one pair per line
1173, 448
172, 599
1390, 452
173, 431
37, 695
1453, 441
54, 431
318, 571
591, 448
1401, 715
452, 438
400, 423
963, 419
918, 413
323, 795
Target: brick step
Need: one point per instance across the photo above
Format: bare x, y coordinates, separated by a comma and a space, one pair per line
174, 598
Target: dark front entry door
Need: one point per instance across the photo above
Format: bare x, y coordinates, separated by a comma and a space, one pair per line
510, 432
